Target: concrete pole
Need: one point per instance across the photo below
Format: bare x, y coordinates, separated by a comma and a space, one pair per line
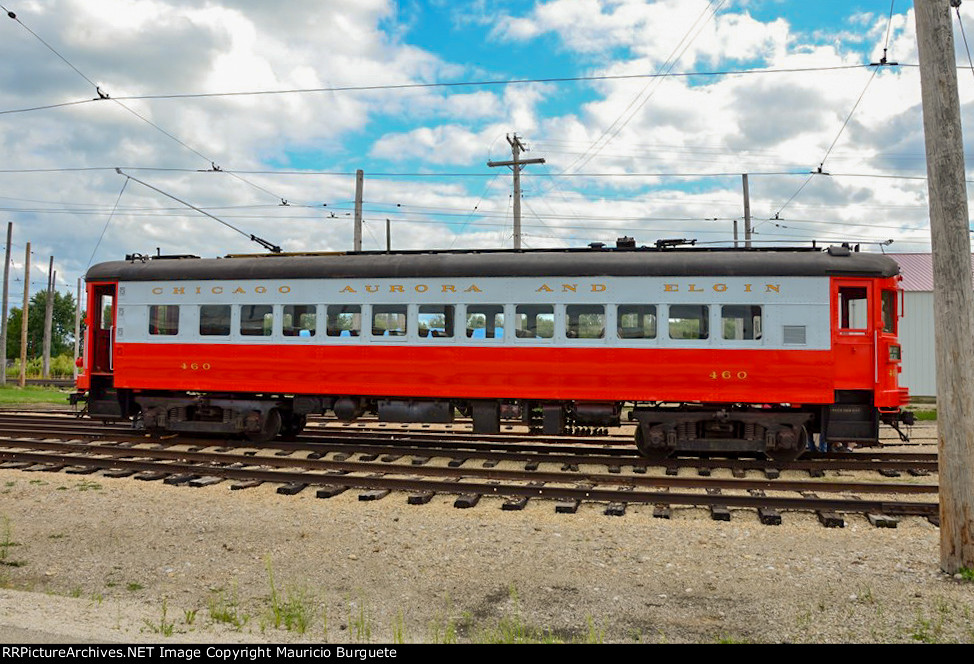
6, 294
359, 186
23, 320
953, 296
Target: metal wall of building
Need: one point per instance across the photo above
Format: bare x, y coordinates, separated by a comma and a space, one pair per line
916, 337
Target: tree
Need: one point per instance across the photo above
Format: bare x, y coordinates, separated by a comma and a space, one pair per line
62, 329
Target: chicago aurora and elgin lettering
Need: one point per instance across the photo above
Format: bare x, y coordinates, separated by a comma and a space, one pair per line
472, 287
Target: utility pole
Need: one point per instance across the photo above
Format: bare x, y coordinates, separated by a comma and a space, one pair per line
48, 320
359, 185
77, 330
388, 237
516, 164
6, 294
747, 214
953, 297
23, 320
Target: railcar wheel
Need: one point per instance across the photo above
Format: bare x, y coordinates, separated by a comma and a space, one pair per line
272, 427
787, 453
292, 425
654, 455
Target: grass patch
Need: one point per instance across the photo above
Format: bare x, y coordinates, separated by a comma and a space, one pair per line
6, 543
293, 610
925, 415
164, 627
966, 574
227, 610
12, 395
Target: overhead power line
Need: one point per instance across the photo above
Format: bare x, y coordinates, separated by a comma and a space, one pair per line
444, 84
102, 95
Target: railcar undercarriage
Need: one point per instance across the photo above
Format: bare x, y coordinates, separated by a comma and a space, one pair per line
781, 432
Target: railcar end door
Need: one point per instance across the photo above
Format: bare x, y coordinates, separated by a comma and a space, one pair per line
854, 334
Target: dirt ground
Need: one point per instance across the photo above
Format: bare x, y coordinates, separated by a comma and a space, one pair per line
86, 558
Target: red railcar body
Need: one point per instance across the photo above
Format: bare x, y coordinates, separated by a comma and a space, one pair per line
706, 350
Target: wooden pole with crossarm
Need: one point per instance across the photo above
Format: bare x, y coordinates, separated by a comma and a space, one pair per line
516, 165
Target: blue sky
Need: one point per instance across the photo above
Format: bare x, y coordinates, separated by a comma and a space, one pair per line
625, 156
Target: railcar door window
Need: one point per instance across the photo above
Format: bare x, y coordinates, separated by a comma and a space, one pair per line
853, 308
215, 320
344, 320
585, 321
389, 321
741, 322
299, 320
164, 319
436, 321
485, 321
256, 320
534, 321
889, 311
689, 321
637, 321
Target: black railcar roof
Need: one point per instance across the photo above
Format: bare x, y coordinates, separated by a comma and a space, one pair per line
590, 262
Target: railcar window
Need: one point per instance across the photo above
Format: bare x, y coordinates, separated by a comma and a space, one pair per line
689, 321
741, 321
107, 312
889, 311
389, 320
215, 320
853, 308
534, 321
485, 321
436, 321
256, 320
164, 319
637, 321
299, 320
585, 321
344, 320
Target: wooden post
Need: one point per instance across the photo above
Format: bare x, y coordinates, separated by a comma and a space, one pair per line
953, 296
747, 213
48, 321
77, 330
6, 294
23, 320
359, 186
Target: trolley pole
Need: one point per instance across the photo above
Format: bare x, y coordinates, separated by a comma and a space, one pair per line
953, 296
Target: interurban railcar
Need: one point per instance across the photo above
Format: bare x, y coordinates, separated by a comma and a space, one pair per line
707, 350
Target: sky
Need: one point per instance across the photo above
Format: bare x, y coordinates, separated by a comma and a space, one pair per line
646, 113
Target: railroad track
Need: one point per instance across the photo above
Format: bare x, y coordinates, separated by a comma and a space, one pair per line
421, 473
530, 450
